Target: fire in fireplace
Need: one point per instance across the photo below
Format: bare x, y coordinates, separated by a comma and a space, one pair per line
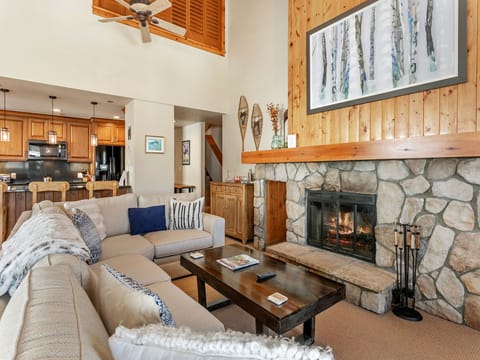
342, 222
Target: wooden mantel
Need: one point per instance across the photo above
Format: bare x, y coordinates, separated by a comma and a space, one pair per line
422, 147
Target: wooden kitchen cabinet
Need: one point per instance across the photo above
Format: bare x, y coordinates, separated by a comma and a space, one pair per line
79, 149
38, 129
234, 202
15, 149
110, 133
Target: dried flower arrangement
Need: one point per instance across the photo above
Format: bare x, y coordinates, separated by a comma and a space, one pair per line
273, 110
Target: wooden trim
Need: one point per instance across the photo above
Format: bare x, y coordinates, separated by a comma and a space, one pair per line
213, 145
421, 147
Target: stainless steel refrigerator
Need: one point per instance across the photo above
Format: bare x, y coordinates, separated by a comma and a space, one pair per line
109, 162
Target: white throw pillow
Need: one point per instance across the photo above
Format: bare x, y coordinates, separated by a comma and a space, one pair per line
91, 208
160, 342
127, 302
186, 214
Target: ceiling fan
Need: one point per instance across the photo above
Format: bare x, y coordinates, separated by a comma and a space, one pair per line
143, 11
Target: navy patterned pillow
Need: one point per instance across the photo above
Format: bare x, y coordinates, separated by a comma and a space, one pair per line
166, 317
89, 233
186, 214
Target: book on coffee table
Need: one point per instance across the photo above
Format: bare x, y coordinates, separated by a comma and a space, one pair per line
238, 262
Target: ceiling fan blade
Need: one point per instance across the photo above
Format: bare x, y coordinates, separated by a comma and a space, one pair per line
145, 31
118, 18
169, 26
159, 6
123, 3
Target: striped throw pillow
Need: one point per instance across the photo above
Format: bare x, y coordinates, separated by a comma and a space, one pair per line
186, 214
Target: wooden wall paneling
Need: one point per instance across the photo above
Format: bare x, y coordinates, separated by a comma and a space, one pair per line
376, 120
297, 33
448, 110
401, 117
364, 122
388, 119
353, 124
343, 124
467, 97
431, 118
415, 114
477, 114
275, 212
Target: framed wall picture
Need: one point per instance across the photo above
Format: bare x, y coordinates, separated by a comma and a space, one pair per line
154, 144
186, 152
385, 48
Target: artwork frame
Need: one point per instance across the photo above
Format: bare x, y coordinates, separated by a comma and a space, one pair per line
186, 152
154, 144
414, 56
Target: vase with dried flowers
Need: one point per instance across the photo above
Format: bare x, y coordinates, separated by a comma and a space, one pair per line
277, 140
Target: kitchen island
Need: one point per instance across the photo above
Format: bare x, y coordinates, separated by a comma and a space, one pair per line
18, 198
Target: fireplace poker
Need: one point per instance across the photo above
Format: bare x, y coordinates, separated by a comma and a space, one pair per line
395, 230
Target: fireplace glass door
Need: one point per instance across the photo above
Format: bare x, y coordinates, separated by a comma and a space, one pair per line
342, 223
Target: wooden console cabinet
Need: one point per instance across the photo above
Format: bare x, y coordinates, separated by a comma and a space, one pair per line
234, 202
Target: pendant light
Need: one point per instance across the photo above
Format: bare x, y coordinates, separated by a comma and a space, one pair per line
4, 132
93, 136
52, 134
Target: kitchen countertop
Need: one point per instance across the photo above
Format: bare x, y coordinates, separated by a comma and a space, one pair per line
23, 186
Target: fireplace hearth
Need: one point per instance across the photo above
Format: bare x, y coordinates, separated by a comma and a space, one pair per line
342, 222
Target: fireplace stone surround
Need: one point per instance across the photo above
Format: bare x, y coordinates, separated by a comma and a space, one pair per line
442, 196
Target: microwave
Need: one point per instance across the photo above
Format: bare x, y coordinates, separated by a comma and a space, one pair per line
42, 150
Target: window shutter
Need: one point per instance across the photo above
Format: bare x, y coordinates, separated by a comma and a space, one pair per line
203, 19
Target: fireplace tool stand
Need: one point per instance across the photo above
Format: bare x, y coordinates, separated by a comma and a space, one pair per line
406, 251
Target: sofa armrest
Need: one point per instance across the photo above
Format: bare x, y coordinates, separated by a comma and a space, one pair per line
215, 225
24, 216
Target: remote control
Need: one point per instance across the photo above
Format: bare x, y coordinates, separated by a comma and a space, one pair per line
265, 276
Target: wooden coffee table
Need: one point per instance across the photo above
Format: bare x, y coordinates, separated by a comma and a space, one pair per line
308, 294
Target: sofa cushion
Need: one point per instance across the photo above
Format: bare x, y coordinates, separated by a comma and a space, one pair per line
50, 314
144, 220
115, 213
89, 233
197, 317
186, 214
160, 342
126, 244
146, 272
174, 242
125, 301
91, 208
164, 199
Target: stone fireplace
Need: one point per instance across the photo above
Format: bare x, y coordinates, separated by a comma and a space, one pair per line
342, 222
441, 196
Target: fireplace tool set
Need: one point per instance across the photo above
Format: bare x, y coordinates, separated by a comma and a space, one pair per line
407, 245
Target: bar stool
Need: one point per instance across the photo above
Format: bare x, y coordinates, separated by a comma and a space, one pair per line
102, 185
40, 186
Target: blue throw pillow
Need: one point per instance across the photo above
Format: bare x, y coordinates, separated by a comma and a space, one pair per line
145, 220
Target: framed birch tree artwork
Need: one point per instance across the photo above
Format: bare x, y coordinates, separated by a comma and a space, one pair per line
385, 48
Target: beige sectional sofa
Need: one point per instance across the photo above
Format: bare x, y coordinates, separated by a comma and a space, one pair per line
60, 308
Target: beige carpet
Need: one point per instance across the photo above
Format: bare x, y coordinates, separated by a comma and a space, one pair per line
354, 333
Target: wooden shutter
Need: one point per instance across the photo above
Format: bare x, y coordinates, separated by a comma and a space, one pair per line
203, 19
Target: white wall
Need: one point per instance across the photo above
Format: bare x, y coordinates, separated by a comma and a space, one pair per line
61, 42
149, 172
211, 162
178, 156
194, 174
257, 69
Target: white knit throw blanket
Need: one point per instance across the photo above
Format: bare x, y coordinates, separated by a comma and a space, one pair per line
41, 235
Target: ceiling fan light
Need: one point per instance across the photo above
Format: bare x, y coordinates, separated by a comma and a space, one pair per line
4, 134
93, 140
52, 137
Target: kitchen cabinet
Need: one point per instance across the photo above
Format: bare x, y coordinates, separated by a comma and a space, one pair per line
79, 149
110, 133
15, 149
38, 129
234, 202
